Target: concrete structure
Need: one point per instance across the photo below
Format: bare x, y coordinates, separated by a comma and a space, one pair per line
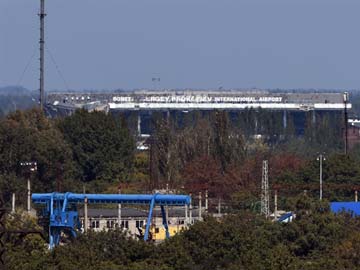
133, 218
61, 209
141, 104
197, 100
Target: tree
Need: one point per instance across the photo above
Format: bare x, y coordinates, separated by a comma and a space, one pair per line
101, 147
30, 136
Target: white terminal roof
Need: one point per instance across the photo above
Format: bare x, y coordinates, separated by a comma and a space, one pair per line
203, 100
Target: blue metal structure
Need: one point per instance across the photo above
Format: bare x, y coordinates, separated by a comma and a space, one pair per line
351, 207
62, 211
286, 218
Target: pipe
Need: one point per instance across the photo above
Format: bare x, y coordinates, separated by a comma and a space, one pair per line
161, 199
148, 223
65, 201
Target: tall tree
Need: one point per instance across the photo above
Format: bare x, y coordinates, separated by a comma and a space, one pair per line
102, 147
30, 136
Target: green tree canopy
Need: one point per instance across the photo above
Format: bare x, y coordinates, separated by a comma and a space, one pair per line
30, 136
102, 147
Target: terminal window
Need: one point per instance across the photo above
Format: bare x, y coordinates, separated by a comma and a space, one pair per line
139, 223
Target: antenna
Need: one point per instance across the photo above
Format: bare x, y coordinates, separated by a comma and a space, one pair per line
42, 52
265, 202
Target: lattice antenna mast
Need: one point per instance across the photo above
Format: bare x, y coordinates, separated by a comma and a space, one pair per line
265, 196
42, 53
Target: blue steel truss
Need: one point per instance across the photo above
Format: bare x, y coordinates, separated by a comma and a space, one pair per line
63, 215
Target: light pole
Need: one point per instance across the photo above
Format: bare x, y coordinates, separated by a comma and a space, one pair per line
156, 82
119, 211
346, 98
31, 166
321, 158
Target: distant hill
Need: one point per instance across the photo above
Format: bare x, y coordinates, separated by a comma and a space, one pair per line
16, 98
15, 91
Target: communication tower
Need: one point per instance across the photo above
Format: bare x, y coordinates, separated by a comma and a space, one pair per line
42, 15
265, 203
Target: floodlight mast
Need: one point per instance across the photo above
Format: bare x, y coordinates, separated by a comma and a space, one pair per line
42, 53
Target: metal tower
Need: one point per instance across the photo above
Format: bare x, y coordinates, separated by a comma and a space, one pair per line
42, 52
265, 198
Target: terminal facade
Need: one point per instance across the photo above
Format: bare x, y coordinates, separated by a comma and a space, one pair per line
139, 106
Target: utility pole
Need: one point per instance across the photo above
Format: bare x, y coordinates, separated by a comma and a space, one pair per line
30, 167
206, 201
139, 124
42, 53
156, 82
275, 204
219, 207
167, 207
119, 210
86, 218
200, 206
13, 203
86, 222
28, 196
346, 96
321, 158
190, 212
265, 203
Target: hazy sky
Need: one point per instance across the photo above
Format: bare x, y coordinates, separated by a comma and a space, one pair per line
110, 44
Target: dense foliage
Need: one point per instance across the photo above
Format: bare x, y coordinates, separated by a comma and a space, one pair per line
101, 145
214, 151
317, 239
83, 147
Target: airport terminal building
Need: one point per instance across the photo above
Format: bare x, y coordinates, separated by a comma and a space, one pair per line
144, 102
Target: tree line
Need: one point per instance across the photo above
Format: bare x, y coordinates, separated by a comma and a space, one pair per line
86, 148
210, 152
317, 239
207, 150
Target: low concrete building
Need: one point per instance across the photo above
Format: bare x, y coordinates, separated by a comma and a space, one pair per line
133, 220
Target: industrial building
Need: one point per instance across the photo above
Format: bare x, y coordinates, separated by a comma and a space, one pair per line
133, 220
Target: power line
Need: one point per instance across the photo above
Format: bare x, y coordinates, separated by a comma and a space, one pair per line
52, 58
26, 67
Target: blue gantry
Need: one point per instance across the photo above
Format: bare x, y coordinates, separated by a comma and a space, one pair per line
63, 215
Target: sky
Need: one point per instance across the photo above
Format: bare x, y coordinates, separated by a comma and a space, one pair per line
123, 44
